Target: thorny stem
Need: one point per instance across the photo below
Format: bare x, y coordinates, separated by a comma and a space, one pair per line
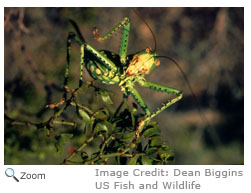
47, 124
82, 107
84, 145
65, 123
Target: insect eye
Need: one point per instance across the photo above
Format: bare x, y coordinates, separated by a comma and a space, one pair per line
157, 63
148, 50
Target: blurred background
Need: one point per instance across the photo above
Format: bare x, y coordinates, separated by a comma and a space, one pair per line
208, 44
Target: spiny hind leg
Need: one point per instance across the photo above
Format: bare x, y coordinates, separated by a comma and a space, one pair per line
161, 88
164, 89
125, 24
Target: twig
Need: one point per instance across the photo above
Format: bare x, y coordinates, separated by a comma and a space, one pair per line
79, 149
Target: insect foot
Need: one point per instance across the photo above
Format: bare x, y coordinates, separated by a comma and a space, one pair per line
95, 33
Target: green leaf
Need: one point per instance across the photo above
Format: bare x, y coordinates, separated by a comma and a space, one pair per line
110, 125
60, 145
151, 151
66, 136
133, 160
146, 160
82, 126
94, 155
121, 147
84, 155
84, 116
101, 114
155, 141
61, 140
105, 97
153, 124
165, 152
101, 127
91, 124
128, 137
151, 132
153, 154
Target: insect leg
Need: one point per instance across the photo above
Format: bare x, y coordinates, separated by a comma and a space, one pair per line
139, 100
102, 58
165, 89
125, 23
124, 42
71, 37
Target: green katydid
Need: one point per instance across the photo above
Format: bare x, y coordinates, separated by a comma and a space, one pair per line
110, 68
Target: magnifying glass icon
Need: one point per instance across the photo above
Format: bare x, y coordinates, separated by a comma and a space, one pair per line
9, 172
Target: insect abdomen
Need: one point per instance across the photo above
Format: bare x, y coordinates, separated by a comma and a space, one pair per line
106, 77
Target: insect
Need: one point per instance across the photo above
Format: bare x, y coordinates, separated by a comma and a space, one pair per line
122, 69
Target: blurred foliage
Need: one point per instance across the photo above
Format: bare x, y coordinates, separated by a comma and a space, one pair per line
208, 43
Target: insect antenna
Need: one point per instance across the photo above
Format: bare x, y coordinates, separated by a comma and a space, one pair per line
202, 116
142, 19
75, 25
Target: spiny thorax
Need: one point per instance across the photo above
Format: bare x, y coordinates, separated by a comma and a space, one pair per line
142, 62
